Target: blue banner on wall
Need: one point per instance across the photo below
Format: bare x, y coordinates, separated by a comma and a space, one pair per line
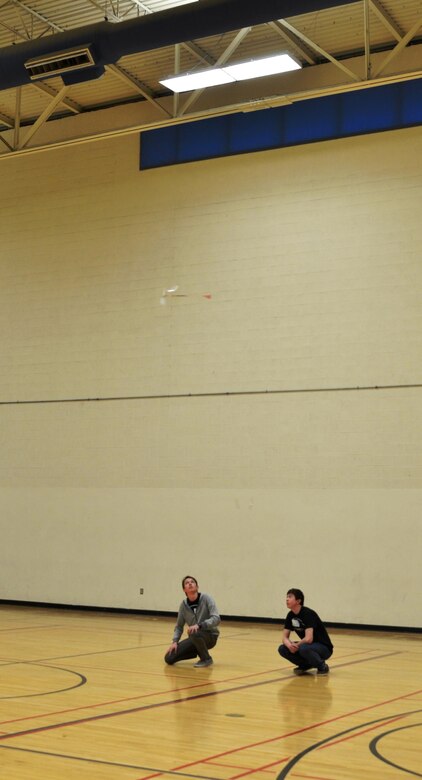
352, 113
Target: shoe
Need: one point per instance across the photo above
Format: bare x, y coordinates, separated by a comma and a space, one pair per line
299, 670
324, 669
201, 664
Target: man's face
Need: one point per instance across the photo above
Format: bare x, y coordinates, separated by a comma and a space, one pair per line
191, 588
292, 601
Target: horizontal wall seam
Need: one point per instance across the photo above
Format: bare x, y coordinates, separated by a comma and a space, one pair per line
217, 394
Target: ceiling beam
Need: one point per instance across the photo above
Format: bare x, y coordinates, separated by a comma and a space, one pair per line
387, 20
42, 119
72, 105
17, 117
6, 120
319, 50
142, 89
213, 112
303, 51
6, 143
37, 15
367, 38
400, 46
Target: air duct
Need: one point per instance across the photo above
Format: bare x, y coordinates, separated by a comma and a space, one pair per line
60, 62
165, 28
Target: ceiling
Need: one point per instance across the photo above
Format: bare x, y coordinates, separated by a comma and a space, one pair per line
358, 44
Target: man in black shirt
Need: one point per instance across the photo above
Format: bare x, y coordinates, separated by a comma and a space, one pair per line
314, 645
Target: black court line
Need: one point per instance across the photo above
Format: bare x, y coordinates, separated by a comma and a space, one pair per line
295, 760
81, 655
109, 763
82, 681
94, 652
32, 628
374, 750
168, 702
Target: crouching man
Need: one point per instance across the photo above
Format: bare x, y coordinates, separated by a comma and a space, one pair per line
199, 612
314, 646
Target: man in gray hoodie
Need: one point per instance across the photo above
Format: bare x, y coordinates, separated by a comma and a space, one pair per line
199, 612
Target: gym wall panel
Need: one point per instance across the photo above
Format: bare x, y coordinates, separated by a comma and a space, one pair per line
246, 441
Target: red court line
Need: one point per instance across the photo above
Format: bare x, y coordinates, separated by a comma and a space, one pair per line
134, 710
103, 704
145, 695
260, 768
312, 777
228, 766
285, 736
158, 704
329, 744
364, 731
189, 676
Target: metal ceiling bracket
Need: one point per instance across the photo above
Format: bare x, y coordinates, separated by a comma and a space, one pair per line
318, 49
367, 35
137, 86
17, 117
386, 19
304, 53
400, 46
44, 116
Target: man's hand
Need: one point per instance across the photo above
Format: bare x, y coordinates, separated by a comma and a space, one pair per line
193, 629
293, 647
172, 648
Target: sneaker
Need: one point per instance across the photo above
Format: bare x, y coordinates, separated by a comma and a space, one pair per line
324, 669
300, 670
201, 664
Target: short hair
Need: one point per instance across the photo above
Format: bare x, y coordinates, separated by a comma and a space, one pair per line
189, 577
298, 594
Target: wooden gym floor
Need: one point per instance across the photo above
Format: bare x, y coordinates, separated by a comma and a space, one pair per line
86, 696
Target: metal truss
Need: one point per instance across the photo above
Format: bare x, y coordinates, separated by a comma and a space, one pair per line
376, 68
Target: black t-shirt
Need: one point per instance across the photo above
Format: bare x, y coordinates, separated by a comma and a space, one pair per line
307, 618
194, 604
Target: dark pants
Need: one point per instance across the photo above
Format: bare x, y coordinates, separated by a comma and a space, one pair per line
197, 644
308, 656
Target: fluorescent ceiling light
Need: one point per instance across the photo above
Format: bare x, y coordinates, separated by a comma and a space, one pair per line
212, 77
268, 66
199, 80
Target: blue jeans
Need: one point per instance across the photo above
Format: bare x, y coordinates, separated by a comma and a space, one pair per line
308, 656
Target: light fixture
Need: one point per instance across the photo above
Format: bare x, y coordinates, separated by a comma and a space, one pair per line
199, 80
266, 66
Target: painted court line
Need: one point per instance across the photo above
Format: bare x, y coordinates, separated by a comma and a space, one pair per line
157, 705
31, 628
316, 746
290, 734
260, 768
146, 695
359, 733
100, 761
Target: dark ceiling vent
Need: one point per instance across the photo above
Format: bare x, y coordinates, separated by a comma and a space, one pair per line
59, 62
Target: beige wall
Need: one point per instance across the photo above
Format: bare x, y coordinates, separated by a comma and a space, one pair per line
312, 258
